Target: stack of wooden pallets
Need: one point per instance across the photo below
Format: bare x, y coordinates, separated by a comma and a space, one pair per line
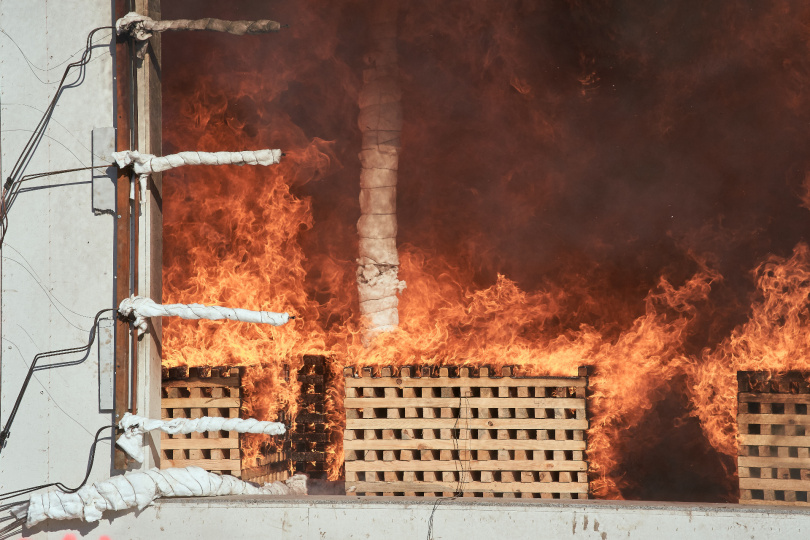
272, 467
194, 393
310, 436
774, 447
465, 431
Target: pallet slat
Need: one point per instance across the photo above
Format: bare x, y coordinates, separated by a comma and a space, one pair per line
488, 487
465, 423
427, 382
187, 403
198, 444
511, 403
473, 444
773, 462
774, 398
455, 465
207, 464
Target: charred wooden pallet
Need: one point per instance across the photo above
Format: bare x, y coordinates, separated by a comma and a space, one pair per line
465, 432
309, 436
194, 393
272, 467
774, 446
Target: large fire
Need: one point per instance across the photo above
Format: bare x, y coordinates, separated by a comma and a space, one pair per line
615, 184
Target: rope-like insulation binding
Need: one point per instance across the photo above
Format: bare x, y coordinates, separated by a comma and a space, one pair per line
141, 27
141, 308
131, 441
145, 164
139, 489
380, 123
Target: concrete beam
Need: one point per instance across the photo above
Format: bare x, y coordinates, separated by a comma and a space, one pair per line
338, 517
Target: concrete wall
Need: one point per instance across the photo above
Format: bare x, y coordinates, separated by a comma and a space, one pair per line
336, 518
57, 260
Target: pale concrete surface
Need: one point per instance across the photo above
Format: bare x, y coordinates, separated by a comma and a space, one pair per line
338, 517
57, 260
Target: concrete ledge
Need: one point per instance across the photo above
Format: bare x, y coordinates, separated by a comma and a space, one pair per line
339, 517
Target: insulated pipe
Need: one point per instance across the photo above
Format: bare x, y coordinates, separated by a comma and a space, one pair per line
145, 164
135, 427
137, 489
380, 123
141, 27
140, 308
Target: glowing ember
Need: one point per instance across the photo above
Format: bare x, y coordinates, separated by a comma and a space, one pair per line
578, 185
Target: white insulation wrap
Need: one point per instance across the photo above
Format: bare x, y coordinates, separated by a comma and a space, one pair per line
146, 164
142, 308
131, 441
380, 122
137, 489
141, 27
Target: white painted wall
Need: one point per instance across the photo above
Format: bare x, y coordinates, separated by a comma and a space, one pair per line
336, 518
57, 260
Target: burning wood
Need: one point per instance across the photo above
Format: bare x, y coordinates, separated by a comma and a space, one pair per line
139, 309
455, 431
194, 393
380, 122
310, 434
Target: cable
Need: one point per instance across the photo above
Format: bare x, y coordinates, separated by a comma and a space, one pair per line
7, 429
11, 189
31, 65
31, 146
10, 530
60, 485
459, 491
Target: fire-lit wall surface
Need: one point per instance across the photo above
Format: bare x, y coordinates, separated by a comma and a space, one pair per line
57, 258
617, 184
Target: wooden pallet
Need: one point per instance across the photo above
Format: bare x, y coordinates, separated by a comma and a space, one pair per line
272, 467
194, 393
309, 436
774, 445
465, 431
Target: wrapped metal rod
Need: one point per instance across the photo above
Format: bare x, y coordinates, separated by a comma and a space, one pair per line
135, 427
145, 164
141, 27
380, 123
140, 308
137, 489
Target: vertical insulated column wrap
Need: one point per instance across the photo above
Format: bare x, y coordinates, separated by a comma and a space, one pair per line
380, 122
